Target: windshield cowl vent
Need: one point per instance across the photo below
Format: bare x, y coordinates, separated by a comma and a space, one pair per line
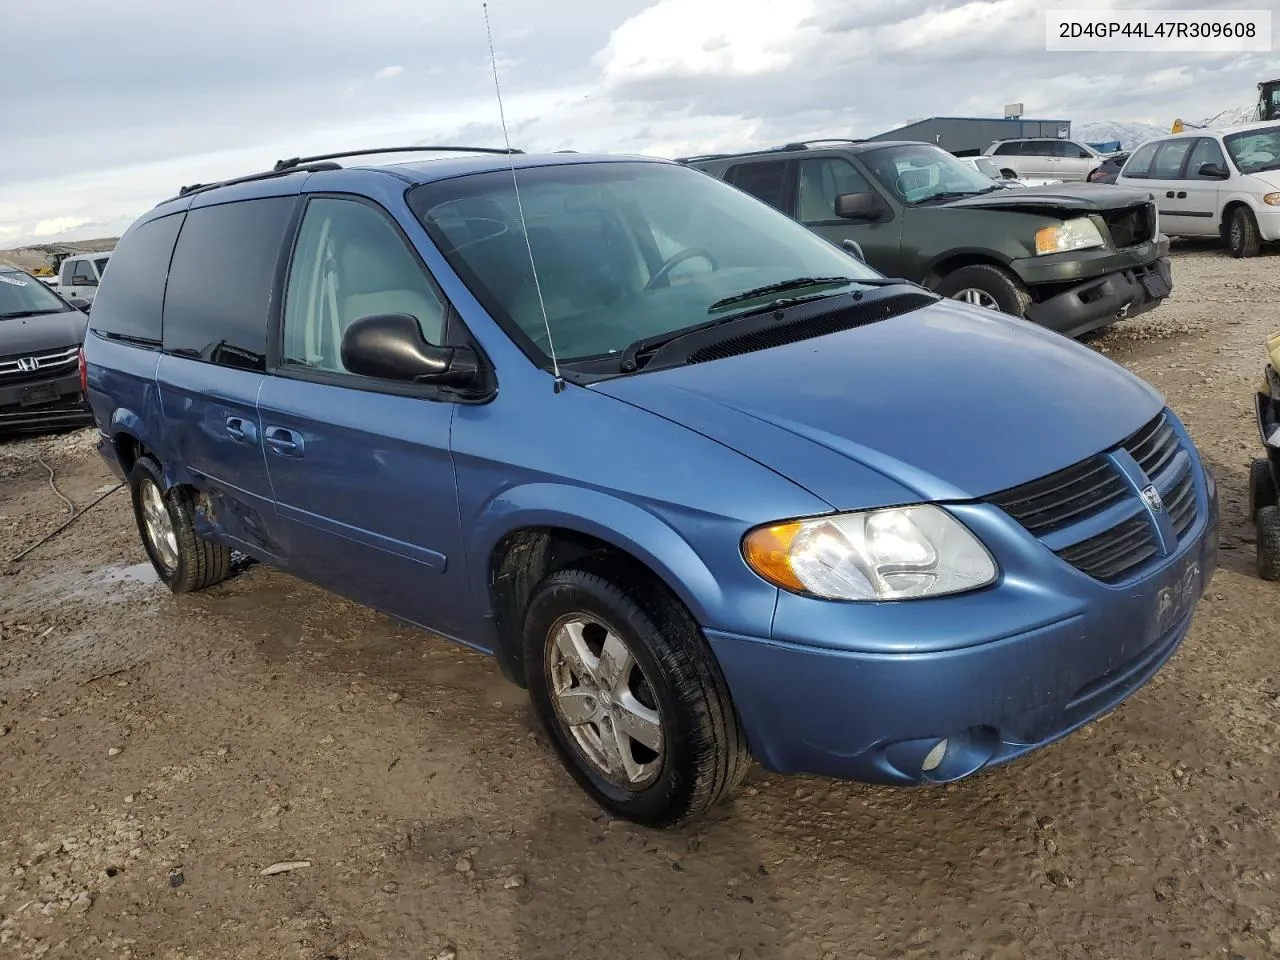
806, 328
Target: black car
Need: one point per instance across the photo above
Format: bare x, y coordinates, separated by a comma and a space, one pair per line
40, 339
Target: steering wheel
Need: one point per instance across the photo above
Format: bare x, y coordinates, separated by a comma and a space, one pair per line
688, 253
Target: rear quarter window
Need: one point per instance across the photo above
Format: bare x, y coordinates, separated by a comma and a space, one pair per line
130, 301
765, 181
220, 285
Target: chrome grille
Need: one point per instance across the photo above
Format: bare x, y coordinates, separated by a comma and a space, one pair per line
19, 368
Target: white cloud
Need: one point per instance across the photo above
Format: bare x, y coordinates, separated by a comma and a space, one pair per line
698, 38
387, 73
57, 226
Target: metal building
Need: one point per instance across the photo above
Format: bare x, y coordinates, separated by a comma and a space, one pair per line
966, 136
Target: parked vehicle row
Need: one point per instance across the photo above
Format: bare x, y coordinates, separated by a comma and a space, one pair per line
1071, 257
666, 452
1214, 183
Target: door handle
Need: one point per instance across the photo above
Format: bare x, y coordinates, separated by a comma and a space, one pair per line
1182, 194
1169, 193
241, 430
284, 442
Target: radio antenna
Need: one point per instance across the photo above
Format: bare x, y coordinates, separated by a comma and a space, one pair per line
524, 227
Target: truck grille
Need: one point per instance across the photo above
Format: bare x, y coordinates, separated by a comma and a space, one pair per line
39, 365
1132, 225
1054, 507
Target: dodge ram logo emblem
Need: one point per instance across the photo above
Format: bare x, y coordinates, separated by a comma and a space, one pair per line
1151, 497
28, 364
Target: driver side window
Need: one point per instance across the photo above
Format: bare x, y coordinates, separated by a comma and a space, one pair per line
822, 180
350, 262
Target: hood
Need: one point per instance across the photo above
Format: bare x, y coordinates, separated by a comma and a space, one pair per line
1059, 198
1270, 178
949, 402
40, 334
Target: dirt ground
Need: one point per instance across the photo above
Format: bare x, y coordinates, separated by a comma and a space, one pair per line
157, 753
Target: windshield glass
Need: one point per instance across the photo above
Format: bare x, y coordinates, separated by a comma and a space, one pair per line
21, 295
917, 172
1255, 150
989, 167
624, 250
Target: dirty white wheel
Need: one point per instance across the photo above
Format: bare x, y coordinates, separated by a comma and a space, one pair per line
604, 699
165, 518
157, 525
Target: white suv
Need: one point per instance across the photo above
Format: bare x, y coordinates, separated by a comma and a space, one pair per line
1214, 183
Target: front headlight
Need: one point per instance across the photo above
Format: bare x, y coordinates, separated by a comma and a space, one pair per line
1272, 199
898, 553
1079, 233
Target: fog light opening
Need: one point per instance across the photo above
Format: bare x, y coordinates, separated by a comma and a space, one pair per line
933, 759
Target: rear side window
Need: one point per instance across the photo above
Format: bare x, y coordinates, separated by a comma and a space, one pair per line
129, 303
1139, 165
765, 181
219, 297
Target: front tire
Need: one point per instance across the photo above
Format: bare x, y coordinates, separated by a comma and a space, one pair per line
630, 694
1262, 489
1243, 238
182, 560
986, 285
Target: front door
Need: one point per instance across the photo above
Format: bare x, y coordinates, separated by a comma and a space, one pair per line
1170, 188
819, 181
363, 478
1200, 215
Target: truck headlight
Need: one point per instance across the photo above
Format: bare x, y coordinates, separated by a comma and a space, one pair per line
897, 553
1079, 233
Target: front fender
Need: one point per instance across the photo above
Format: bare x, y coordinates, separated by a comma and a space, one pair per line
623, 525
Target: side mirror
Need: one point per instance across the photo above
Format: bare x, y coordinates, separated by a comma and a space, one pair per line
80, 304
1214, 171
854, 249
860, 206
390, 346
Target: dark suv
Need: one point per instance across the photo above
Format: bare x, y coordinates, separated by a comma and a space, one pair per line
40, 337
1071, 257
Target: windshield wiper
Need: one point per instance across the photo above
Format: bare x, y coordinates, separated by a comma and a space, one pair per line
17, 314
958, 194
793, 284
648, 346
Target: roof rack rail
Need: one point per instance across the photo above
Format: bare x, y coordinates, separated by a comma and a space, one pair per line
783, 148
704, 156
299, 161
251, 177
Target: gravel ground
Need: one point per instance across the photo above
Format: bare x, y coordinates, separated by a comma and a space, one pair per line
158, 753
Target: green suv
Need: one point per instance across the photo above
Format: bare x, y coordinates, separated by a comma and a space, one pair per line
1071, 257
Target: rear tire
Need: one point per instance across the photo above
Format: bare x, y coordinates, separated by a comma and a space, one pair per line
986, 285
183, 561
1243, 238
1268, 523
1262, 489
664, 744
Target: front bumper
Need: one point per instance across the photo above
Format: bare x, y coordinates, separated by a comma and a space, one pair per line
1103, 300
1268, 222
44, 405
1061, 654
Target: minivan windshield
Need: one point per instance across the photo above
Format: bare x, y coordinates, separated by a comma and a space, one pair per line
24, 296
919, 173
624, 250
1255, 150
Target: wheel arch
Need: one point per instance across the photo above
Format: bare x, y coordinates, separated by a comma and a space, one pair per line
554, 526
953, 260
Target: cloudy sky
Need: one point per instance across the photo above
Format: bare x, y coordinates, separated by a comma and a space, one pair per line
109, 107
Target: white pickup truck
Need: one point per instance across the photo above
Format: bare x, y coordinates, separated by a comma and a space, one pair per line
80, 274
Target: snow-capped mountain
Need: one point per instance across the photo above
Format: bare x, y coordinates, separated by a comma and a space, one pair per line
1130, 134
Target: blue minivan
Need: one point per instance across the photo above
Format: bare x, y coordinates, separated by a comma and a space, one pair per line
708, 486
